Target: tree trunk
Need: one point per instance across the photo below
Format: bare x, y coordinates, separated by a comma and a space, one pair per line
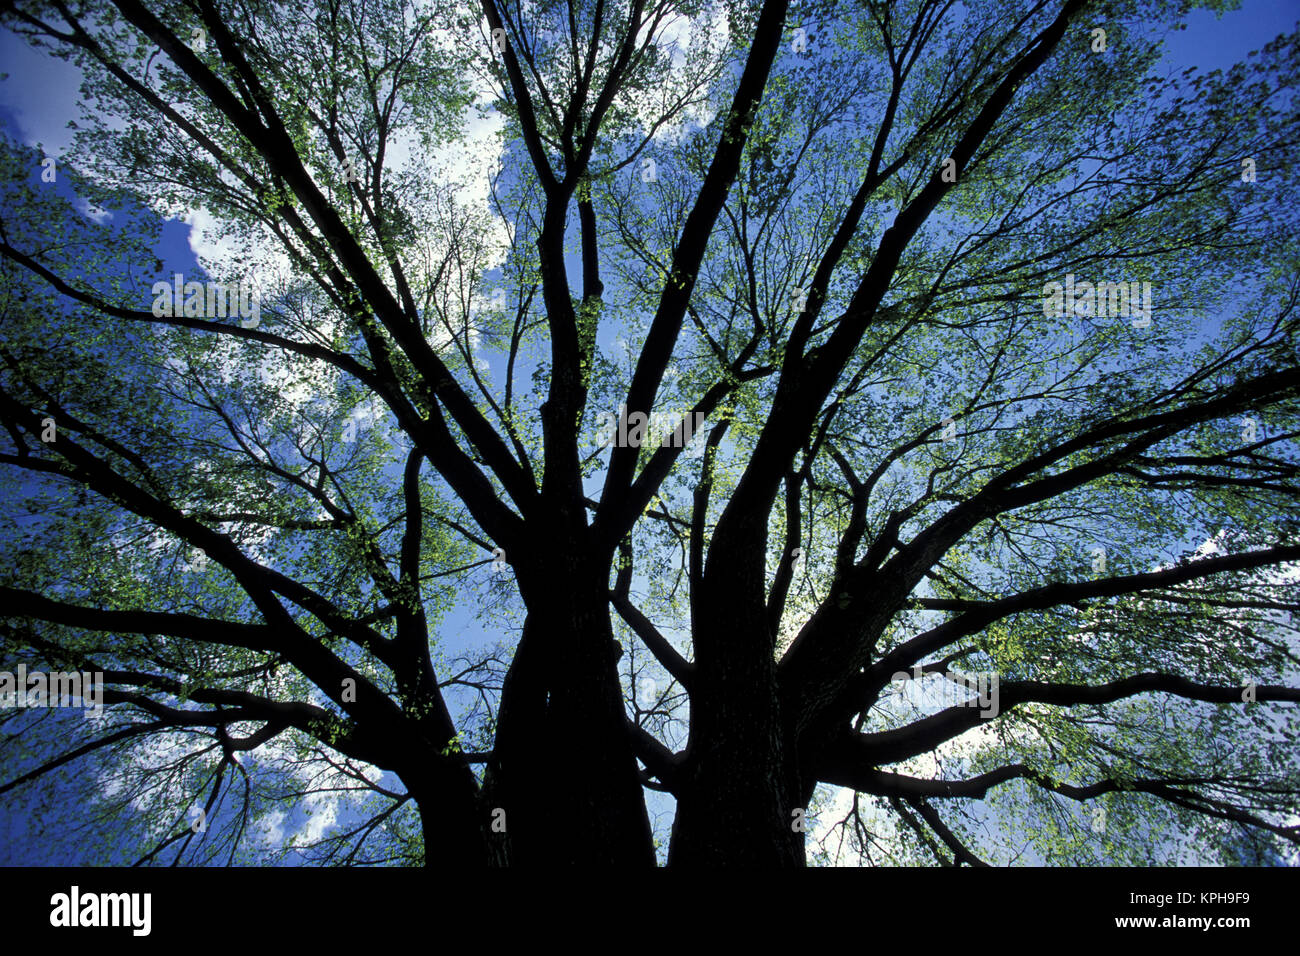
736, 802
737, 805
565, 802
455, 833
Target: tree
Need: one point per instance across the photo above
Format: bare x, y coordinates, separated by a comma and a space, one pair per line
982, 328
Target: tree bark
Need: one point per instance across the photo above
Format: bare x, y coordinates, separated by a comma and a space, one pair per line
455, 833
738, 800
566, 804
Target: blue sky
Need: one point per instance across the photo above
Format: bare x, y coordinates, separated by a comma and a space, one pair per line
39, 95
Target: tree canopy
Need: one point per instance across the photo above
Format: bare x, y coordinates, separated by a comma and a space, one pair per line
977, 540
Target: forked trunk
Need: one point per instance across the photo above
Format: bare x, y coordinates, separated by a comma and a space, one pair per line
565, 802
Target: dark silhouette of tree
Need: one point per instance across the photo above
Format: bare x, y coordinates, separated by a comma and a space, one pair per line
989, 323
